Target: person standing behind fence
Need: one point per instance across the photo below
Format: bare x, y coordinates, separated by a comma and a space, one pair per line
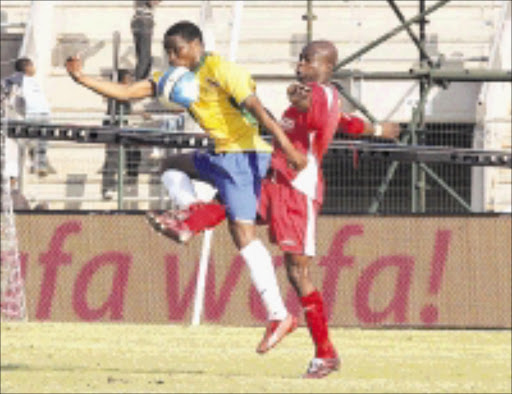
142, 25
31, 104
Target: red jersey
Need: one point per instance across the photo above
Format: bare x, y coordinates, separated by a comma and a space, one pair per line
349, 124
311, 133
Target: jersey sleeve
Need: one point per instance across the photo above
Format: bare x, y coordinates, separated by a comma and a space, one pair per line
235, 81
350, 125
154, 81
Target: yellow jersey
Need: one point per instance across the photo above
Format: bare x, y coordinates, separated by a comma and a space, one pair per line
223, 87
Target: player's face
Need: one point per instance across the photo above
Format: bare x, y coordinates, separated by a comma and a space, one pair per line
30, 70
183, 53
311, 66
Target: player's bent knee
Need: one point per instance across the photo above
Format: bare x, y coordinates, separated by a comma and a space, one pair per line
293, 276
173, 178
297, 269
243, 233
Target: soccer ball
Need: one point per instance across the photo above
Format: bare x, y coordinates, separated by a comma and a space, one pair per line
178, 85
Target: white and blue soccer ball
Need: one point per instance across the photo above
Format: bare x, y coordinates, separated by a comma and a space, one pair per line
178, 85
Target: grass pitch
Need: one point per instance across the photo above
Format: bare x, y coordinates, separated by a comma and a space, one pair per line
126, 358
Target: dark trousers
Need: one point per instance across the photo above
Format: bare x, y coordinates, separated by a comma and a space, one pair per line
142, 30
38, 149
111, 166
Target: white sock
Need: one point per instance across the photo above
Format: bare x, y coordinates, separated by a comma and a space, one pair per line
264, 279
180, 188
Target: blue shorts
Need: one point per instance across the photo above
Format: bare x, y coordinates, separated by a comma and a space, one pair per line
237, 177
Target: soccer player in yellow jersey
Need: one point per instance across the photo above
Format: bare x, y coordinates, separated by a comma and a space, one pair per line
236, 167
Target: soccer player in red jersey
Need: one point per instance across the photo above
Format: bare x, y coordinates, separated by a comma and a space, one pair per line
291, 200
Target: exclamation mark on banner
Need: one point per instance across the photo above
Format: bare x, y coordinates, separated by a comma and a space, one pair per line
430, 313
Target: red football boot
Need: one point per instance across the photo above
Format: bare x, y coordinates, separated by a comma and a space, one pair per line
181, 225
321, 367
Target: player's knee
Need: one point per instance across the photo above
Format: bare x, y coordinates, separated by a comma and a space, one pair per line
293, 271
172, 179
293, 275
297, 269
243, 233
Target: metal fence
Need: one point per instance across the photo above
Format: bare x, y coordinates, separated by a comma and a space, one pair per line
112, 176
352, 186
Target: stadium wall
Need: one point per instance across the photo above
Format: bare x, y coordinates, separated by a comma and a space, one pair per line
378, 271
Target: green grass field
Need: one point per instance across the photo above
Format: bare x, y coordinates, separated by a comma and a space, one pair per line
115, 358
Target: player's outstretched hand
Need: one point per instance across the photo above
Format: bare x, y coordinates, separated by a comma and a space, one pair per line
390, 130
74, 67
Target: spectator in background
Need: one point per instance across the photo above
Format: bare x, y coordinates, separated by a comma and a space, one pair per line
142, 29
9, 94
30, 103
42, 206
133, 153
19, 201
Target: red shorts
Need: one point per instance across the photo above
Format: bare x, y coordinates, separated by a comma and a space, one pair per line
290, 216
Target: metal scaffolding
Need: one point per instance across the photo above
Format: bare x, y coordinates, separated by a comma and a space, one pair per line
429, 74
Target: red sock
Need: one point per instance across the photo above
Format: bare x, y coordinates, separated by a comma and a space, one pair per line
205, 216
317, 323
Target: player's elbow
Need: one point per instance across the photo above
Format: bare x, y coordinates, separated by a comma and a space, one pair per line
252, 104
139, 90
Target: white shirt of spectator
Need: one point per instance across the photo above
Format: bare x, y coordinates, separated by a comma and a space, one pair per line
26, 100
26, 96
34, 98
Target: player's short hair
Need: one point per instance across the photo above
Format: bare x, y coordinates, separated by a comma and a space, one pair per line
186, 30
22, 63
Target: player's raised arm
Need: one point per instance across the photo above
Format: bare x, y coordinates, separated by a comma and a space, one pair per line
389, 130
133, 91
295, 158
355, 126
